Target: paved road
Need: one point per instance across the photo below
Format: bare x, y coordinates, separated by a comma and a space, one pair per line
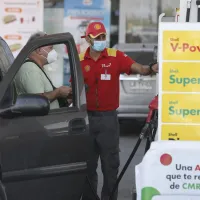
129, 136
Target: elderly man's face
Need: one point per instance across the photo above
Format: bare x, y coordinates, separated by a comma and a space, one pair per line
45, 50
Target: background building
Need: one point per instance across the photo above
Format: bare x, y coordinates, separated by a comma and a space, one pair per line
138, 22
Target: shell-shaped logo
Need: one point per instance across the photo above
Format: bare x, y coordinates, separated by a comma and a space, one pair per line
97, 26
87, 68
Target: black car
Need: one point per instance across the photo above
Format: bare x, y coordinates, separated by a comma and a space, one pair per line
43, 152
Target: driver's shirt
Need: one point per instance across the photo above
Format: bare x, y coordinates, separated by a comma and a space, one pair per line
102, 78
31, 80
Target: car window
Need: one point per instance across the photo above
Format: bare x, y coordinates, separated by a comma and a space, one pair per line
50, 79
6, 57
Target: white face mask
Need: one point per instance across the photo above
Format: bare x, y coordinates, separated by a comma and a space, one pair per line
52, 56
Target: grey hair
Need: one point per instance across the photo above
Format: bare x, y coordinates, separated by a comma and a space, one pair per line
37, 35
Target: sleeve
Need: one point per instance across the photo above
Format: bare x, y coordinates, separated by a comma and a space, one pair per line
32, 83
125, 63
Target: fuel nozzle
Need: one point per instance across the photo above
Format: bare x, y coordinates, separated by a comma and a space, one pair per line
198, 3
188, 10
198, 6
189, 3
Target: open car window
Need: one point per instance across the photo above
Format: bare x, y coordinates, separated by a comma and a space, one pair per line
44, 72
6, 60
32, 78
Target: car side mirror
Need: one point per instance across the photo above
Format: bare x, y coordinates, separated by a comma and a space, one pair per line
27, 105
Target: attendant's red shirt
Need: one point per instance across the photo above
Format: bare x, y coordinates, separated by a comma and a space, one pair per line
102, 78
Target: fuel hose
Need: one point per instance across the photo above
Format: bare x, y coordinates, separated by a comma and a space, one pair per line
141, 137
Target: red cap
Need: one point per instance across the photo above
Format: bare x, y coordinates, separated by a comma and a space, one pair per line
95, 29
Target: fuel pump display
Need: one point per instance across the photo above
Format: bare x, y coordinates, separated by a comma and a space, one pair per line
179, 81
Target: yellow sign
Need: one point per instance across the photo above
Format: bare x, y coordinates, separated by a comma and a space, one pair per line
181, 77
181, 45
180, 132
181, 108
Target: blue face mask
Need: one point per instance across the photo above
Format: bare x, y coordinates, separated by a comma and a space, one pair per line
99, 45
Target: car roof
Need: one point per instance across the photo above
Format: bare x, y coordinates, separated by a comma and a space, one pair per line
130, 47
6, 56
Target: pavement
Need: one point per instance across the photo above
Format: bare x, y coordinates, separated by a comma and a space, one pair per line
129, 135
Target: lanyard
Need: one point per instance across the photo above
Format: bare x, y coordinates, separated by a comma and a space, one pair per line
105, 72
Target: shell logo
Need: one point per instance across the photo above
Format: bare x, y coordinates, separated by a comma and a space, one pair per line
97, 26
87, 68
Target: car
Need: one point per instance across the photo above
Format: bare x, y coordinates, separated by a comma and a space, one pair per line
43, 152
136, 91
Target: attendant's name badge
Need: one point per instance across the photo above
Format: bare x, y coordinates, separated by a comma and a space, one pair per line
106, 77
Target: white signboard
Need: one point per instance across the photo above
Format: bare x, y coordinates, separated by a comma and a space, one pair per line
169, 168
18, 20
170, 197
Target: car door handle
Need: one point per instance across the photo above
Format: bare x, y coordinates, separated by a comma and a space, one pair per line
44, 172
77, 126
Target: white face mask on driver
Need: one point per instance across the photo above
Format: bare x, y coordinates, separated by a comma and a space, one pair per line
52, 56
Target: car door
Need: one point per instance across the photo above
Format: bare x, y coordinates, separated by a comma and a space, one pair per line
44, 157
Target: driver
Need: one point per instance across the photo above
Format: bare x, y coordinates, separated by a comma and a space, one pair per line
32, 79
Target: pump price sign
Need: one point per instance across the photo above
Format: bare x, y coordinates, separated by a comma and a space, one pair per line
181, 45
181, 76
181, 108
179, 82
180, 132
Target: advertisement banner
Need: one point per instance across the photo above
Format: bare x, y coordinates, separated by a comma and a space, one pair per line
169, 171
77, 15
179, 82
18, 20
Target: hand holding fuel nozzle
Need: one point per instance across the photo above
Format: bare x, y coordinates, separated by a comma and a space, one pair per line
154, 67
